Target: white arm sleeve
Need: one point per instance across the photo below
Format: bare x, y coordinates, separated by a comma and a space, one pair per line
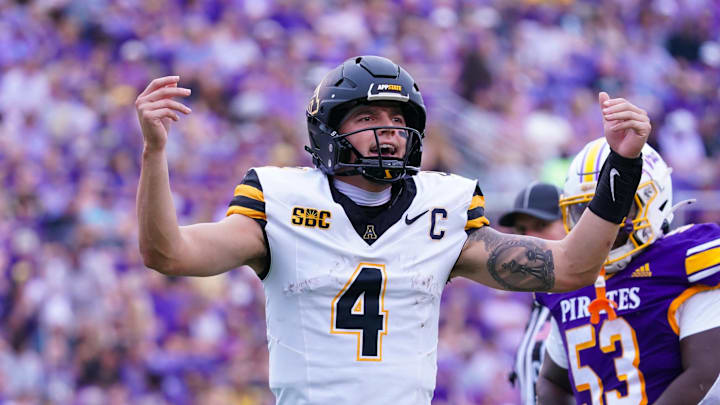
699, 313
554, 346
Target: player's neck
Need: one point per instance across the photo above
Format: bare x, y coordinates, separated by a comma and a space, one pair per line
361, 196
363, 183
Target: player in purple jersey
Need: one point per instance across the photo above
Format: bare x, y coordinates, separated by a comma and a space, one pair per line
661, 347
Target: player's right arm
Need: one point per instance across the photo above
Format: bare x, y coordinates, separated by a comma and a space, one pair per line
196, 250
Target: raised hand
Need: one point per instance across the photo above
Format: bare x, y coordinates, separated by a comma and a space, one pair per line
156, 109
626, 126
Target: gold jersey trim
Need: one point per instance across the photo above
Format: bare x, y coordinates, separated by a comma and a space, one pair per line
477, 223
249, 191
477, 201
684, 296
702, 260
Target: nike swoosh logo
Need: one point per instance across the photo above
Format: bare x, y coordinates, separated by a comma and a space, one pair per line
415, 218
613, 173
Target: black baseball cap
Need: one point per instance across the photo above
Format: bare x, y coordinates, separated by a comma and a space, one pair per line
538, 200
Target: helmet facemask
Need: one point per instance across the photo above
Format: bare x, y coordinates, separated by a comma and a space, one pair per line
343, 159
378, 168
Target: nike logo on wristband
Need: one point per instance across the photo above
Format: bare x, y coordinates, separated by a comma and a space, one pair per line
613, 173
415, 218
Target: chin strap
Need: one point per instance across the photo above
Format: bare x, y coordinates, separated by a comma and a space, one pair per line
601, 301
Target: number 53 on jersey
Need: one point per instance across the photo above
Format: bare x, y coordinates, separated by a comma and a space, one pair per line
616, 336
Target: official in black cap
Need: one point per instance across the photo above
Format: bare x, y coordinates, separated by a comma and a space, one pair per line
536, 212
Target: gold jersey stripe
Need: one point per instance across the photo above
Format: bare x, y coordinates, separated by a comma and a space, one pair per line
477, 223
684, 296
591, 158
250, 192
477, 201
702, 260
247, 212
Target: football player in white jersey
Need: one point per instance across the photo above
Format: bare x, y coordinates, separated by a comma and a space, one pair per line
354, 253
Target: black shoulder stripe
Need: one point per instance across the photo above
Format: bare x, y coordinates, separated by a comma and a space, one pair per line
476, 213
251, 179
477, 190
247, 202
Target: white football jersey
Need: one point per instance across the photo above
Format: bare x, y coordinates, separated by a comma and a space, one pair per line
349, 321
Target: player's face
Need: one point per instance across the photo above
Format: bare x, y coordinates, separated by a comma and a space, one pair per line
532, 226
392, 141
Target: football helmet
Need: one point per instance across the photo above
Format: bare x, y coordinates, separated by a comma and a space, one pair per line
361, 80
649, 217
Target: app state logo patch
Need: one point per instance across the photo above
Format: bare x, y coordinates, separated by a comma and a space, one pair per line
310, 217
370, 233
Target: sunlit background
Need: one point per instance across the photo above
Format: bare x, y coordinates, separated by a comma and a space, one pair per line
511, 89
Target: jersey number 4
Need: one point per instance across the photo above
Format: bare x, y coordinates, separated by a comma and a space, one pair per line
358, 309
612, 333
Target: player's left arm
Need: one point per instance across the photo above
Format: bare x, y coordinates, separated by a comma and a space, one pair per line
524, 263
700, 355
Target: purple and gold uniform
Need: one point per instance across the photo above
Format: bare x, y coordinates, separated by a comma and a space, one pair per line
633, 359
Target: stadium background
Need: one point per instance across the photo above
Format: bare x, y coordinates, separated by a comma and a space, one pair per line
511, 91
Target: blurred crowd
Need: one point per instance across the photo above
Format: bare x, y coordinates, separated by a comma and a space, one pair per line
511, 87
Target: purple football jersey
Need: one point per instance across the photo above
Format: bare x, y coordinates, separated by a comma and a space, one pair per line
632, 359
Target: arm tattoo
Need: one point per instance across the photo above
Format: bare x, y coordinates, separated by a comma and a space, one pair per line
517, 263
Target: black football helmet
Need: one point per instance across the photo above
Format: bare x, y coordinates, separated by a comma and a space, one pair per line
362, 80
